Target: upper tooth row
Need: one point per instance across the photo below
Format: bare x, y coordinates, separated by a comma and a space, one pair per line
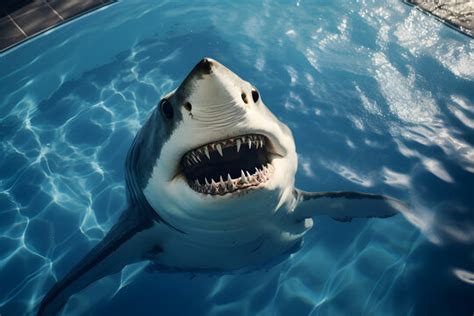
196, 155
230, 184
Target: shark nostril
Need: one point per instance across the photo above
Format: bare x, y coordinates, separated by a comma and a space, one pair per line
188, 106
244, 97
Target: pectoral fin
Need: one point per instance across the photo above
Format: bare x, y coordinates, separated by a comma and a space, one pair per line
113, 253
344, 206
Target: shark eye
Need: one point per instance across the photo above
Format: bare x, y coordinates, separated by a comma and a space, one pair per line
255, 95
166, 109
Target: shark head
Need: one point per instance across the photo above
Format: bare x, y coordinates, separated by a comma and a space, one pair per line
223, 153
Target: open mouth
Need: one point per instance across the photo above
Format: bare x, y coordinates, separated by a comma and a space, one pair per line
228, 165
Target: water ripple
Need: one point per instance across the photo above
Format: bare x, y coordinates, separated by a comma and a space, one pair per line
379, 99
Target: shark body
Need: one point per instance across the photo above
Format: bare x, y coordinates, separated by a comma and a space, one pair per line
210, 187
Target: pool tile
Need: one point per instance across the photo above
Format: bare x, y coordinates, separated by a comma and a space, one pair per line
21, 19
9, 34
456, 14
71, 8
9, 6
36, 17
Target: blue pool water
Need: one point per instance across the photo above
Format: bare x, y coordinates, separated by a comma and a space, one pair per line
380, 98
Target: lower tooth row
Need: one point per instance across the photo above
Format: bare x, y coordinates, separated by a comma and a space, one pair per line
230, 184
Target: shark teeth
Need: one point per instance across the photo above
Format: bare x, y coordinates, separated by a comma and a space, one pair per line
223, 186
219, 149
206, 152
203, 153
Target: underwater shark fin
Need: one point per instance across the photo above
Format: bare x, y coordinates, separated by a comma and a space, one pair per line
110, 256
344, 206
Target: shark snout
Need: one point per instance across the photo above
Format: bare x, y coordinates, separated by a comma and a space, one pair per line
205, 65
203, 68
210, 82
213, 95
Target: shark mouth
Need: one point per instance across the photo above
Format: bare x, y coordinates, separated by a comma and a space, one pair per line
228, 165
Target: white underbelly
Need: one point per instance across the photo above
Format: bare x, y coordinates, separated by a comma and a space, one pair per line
219, 251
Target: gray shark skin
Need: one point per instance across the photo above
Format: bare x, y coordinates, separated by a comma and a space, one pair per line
210, 187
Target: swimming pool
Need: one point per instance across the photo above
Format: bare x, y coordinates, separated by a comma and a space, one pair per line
379, 98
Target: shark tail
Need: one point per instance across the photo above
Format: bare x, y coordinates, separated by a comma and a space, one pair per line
109, 257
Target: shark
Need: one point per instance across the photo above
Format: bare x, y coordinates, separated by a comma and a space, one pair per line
210, 184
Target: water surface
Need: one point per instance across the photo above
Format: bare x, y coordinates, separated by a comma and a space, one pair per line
379, 97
